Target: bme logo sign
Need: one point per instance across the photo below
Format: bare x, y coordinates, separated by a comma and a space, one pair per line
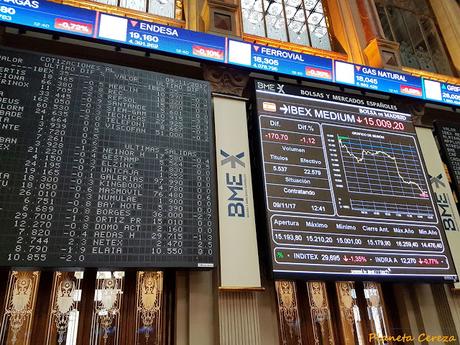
236, 184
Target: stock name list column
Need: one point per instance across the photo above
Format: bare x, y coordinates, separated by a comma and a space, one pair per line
103, 165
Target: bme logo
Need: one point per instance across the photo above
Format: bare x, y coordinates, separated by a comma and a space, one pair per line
235, 181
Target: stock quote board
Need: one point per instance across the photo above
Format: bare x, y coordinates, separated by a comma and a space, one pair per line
449, 138
346, 192
103, 166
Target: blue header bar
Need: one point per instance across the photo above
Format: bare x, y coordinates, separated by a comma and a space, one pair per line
46, 15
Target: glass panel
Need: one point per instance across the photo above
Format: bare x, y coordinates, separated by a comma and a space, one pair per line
412, 26
105, 326
350, 316
438, 54
64, 314
320, 313
375, 311
253, 17
19, 308
320, 35
139, 5
408, 56
310, 5
299, 21
385, 23
149, 298
421, 50
274, 19
317, 25
163, 8
295, 16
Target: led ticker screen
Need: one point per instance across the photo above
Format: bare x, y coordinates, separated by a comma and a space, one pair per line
161, 37
442, 92
48, 15
279, 60
103, 166
345, 189
131, 32
378, 79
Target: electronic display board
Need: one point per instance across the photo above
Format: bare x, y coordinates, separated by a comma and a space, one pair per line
449, 139
346, 192
279, 60
132, 32
378, 79
162, 38
48, 15
103, 166
442, 92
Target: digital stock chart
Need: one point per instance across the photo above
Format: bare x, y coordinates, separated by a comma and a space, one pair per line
346, 191
378, 164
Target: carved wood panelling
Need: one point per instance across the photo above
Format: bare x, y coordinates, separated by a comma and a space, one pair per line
149, 298
288, 313
226, 80
105, 328
350, 316
64, 312
19, 308
320, 313
376, 311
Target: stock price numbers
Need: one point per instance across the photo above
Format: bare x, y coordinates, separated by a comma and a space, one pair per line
105, 166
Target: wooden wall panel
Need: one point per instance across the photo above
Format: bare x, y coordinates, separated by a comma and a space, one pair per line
322, 329
288, 313
148, 308
19, 310
63, 315
350, 315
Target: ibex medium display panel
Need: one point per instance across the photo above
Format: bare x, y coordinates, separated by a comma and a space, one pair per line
346, 192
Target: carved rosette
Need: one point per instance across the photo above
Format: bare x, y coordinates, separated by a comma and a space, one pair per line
288, 312
149, 300
226, 80
20, 306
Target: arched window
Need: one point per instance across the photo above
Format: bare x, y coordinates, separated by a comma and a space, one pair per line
296, 21
412, 24
164, 8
